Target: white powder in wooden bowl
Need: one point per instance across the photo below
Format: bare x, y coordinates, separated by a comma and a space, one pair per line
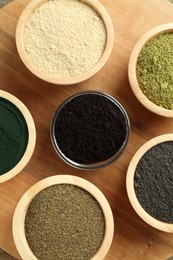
64, 38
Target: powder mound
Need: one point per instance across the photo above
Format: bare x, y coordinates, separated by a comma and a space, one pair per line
153, 181
64, 222
154, 70
13, 135
89, 129
64, 38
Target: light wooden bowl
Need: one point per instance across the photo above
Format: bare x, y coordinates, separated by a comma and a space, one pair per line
20, 212
31, 136
163, 226
72, 80
165, 28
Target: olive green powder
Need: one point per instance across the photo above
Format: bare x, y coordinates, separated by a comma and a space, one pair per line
155, 70
64, 222
13, 135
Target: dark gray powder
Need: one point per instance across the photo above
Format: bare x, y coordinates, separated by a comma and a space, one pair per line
153, 182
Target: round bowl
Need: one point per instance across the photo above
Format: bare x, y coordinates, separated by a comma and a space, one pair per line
98, 7
21, 210
122, 120
13, 106
150, 213
165, 28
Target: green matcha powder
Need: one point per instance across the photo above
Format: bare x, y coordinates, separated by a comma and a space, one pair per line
13, 135
155, 70
64, 222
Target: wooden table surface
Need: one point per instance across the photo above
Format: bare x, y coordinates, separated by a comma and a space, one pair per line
133, 238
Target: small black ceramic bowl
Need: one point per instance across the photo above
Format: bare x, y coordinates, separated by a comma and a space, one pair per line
90, 130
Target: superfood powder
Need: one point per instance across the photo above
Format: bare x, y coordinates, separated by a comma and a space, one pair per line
64, 38
13, 135
154, 70
90, 128
64, 222
153, 181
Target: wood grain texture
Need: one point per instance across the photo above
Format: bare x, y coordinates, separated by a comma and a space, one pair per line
4, 2
5, 256
133, 238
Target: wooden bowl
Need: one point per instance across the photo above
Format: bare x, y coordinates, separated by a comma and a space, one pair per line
71, 80
20, 212
163, 226
165, 28
31, 136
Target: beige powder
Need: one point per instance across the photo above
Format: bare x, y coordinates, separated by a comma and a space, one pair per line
64, 38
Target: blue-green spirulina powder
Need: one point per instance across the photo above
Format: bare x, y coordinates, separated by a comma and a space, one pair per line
13, 135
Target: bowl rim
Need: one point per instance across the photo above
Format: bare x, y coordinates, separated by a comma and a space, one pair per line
71, 80
160, 225
31, 136
164, 28
93, 166
22, 206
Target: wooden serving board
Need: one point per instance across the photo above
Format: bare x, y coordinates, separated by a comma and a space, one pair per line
133, 239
